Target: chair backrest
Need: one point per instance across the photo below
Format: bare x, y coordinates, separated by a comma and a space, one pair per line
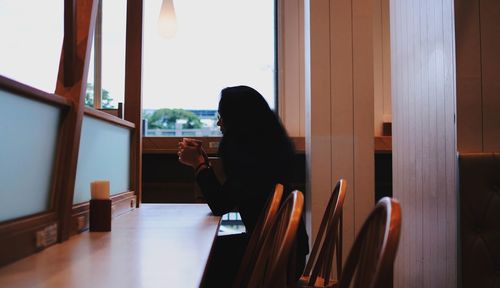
371, 258
270, 269
328, 240
258, 235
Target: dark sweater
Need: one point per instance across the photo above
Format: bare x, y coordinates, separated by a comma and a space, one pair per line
247, 194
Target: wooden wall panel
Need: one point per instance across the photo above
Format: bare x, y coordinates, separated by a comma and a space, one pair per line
424, 142
478, 69
469, 90
339, 109
490, 62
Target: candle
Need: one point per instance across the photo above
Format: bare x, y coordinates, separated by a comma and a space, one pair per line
99, 189
100, 206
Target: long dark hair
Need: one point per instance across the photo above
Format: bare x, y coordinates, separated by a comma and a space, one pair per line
254, 137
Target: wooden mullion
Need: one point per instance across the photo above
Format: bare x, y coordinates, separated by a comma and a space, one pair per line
69, 42
98, 58
85, 21
133, 90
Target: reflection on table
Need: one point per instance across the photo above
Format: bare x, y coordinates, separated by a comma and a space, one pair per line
157, 245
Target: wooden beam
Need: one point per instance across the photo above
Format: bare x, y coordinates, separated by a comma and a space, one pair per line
108, 118
85, 20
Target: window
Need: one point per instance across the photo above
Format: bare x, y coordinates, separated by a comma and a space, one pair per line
214, 44
106, 79
32, 33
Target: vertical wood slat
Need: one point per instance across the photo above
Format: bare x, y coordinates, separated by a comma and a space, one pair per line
339, 109
424, 143
98, 58
451, 196
386, 60
86, 13
362, 115
396, 14
378, 93
382, 76
317, 50
133, 90
291, 66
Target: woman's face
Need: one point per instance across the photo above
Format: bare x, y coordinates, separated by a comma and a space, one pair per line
220, 123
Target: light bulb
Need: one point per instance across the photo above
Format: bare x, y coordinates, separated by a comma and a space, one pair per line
167, 22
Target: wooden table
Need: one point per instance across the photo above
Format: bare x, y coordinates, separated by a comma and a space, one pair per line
157, 245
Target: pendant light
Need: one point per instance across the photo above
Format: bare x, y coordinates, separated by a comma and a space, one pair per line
167, 22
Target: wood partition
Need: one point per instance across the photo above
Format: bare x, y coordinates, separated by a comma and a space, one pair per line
18, 233
477, 31
339, 110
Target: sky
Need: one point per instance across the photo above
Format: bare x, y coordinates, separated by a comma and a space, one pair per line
218, 43
31, 42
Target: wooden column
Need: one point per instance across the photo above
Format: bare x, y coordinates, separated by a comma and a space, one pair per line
133, 90
424, 141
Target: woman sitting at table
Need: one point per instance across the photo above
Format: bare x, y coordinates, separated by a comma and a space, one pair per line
256, 153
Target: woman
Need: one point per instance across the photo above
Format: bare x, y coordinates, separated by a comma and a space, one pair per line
256, 153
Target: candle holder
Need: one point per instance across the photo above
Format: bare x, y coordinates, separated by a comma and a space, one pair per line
100, 215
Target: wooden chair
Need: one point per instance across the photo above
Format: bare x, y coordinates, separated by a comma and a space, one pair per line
317, 272
270, 269
257, 238
371, 258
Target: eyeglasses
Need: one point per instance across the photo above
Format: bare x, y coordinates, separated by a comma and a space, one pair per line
218, 116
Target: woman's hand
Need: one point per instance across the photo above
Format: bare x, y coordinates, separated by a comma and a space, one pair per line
191, 153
